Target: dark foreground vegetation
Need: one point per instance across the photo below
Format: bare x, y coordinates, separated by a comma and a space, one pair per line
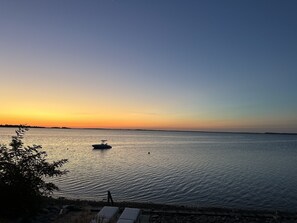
24, 173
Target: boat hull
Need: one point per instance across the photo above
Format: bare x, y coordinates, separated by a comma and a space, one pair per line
100, 146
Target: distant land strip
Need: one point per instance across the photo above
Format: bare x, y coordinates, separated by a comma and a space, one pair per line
30, 126
153, 130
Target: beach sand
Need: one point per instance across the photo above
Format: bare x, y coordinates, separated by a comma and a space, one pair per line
81, 211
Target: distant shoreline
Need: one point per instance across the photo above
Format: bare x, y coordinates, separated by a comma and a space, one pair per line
151, 130
33, 127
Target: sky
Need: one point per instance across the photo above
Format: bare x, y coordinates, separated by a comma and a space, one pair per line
153, 64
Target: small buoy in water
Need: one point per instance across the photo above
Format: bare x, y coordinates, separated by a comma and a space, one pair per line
149, 153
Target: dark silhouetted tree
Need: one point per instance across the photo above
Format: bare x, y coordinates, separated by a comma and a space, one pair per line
23, 173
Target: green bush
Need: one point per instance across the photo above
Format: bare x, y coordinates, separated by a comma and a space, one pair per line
23, 170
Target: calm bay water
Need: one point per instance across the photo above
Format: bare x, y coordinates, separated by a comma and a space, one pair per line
254, 171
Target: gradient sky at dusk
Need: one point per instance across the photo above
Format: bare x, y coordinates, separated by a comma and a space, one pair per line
156, 64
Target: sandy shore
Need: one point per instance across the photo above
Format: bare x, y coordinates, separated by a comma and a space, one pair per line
78, 211
82, 211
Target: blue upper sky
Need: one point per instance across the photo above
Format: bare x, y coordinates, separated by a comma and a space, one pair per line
205, 65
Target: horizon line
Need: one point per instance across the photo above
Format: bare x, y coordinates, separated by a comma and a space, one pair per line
143, 129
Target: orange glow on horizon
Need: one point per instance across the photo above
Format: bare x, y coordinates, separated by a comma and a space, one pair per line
120, 122
120, 117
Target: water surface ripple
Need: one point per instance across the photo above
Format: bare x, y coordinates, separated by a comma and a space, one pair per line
255, 171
